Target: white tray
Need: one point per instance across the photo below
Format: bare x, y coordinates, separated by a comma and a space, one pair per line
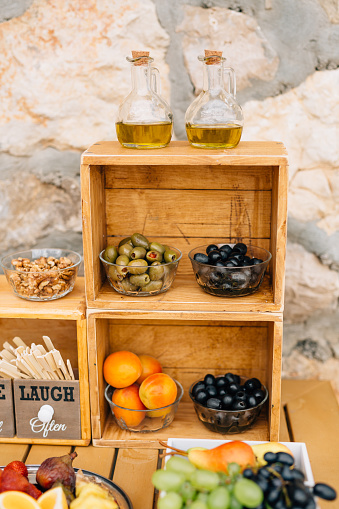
298, 450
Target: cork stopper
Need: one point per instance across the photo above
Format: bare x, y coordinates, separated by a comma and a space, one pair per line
216, 56
138, 54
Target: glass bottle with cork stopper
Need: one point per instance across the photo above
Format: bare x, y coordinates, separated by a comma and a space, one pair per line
144, 119
214, 119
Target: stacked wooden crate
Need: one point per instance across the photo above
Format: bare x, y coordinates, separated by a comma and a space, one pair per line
185, 197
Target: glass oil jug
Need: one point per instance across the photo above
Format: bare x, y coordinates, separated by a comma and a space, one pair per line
214, 119
144, 118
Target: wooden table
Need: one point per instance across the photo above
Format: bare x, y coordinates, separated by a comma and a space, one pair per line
311, 415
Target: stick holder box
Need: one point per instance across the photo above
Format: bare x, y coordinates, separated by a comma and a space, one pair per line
7, 428
63, 400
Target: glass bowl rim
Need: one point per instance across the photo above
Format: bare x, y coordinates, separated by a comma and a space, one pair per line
230, 410
264, 262
17, 253
178, 399
143, 266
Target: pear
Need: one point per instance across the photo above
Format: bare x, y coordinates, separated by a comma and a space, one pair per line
217, 459
261, 449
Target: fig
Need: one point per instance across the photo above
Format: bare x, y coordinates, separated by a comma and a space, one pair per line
57, 469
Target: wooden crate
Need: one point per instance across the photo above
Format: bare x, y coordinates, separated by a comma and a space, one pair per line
185, 197
187, 350
7, 421
64, 320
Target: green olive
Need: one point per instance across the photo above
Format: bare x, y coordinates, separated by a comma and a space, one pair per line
157, 247
113, 274
110, 254
154, 256
137, 266
156, 271
127, 286
139, 240
139, 279
153, 286
122, 261
125, 241
125, 249
137, 253
170, 256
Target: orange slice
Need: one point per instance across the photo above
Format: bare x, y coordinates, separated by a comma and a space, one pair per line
53, 499
17, 500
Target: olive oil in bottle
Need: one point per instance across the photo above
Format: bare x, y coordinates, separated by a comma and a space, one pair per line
155, 135
215, 136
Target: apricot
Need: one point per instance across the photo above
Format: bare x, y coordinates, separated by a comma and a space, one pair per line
150, 365
122, 369
157, 391
128, 398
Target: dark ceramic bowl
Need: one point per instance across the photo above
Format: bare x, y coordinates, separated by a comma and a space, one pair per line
228, 421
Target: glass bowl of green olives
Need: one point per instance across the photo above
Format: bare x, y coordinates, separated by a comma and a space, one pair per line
139, 267
229, 270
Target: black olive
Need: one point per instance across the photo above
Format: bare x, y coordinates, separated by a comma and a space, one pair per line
223, 255
214, 256
227, 401
201, 258
214, 403
198, 387
251, 401
201, 397
255, 261
219, 263
211, 391
226, 248
239, 279
222, 392
238, 257
239, 405
230, 377
234, 261
236, 378
221, 382
230, 264
246, 261
240, 248
211, 247
233, 388
241, 396
259, 395
209, 379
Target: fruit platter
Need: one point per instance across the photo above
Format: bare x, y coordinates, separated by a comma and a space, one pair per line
209, 474
55, 484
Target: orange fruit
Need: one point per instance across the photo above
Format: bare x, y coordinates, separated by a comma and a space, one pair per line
53, 499
150, 365
17, 500
129, 398
122, 369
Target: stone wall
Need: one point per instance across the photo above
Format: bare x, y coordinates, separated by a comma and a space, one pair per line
63, 74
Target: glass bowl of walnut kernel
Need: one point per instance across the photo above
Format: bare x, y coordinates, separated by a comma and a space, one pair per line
41, 274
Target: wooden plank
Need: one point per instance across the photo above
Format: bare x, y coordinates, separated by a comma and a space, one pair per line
94, 227
12, 452
193, 177
186, 295
314, 419
185, 425
85, 416
98, 349
188, 213
274, 360
95, 459
38, 453
279, 231
70, 307
138, 465
180, 152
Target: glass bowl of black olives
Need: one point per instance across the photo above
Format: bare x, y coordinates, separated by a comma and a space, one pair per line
228, 404
140, 267
229, 270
